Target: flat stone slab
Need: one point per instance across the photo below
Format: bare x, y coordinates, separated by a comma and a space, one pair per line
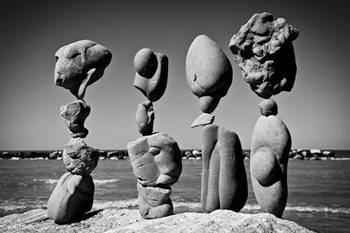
126, 220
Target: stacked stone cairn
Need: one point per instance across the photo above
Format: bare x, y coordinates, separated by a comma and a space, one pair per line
264, 51
209, 76
155, 157
78, 65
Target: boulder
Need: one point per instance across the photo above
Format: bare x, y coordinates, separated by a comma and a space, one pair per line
75, 114
208, 72
153, 77
155, 159
224, 180
79, 65
264, 51
126, 220
145, 118
79, 158
270, 146
72, 197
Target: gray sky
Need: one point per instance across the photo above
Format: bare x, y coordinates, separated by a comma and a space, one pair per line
316, 111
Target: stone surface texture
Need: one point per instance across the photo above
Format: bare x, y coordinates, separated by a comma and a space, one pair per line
224, 180
270, 146
268, 107
208, 72
79, 65
72, 197
125, 220
153, 78
157, 164
75, 114
145, 118
79, 158
264, 51
203, 119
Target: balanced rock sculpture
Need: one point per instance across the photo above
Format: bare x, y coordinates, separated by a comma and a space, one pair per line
264, 51
155, 157
78, 65
270, 146
208, 72
224, 181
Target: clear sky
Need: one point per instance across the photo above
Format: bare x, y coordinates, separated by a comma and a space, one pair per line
316, 111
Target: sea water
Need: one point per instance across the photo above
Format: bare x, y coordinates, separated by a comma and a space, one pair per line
319, 191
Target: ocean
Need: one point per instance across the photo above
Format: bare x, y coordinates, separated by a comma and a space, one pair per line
319, 191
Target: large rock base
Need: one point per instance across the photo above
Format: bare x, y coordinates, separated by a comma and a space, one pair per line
124, 220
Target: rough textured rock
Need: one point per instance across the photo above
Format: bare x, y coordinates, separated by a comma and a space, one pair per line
75, 114
145, 118
270, 146
264, 51
79, 158
155, 159
224, 180
124, 220
157, 164
80, 64
268, 107
72, 197
208, 72
203, 119
154, 83
154, 202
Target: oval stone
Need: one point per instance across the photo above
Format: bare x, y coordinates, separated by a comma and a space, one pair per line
145, 62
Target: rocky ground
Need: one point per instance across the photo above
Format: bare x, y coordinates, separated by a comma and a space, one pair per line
126, 220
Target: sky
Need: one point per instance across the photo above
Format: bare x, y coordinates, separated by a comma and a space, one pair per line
316, 111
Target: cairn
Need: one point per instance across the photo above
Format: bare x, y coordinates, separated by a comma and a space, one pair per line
78, 65
264, 51
155, 157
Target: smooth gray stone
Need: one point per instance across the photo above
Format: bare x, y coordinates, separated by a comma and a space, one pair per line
264, 51
155, 159
224, 180
202, 120
79, 158
145, 62
151, 87
79, 65
145, 118
268, 107
72, 197
270, 146
208, 72
75, 114
154, 202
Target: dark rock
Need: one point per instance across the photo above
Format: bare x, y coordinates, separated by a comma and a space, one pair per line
224, 181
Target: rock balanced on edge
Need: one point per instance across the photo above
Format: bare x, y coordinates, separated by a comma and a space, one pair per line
78, 65
209, 76
270, 146
264, 51
155, 157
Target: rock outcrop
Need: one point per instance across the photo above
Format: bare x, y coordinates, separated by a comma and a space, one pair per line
125, 220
